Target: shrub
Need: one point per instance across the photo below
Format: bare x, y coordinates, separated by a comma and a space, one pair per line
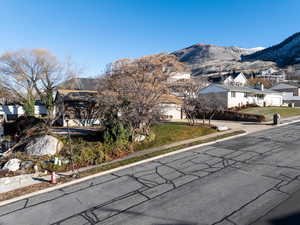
117, 134
236, 116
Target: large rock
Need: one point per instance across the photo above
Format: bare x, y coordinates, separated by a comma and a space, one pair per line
26, 164
12, 165
45, 145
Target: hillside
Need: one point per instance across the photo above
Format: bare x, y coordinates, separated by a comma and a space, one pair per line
204, 59
284, 53
201, 53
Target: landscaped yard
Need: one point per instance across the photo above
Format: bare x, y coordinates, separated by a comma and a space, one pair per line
90, 150
268, 112
166, 133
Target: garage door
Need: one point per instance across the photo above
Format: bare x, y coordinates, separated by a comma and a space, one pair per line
276, 101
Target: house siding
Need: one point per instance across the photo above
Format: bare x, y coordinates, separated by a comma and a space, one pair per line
241, 99
17, 110
172, 111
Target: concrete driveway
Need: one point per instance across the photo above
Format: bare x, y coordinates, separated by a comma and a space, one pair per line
234, 182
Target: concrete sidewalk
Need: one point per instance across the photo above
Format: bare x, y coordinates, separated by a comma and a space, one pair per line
249, 127
226, 182
13, 183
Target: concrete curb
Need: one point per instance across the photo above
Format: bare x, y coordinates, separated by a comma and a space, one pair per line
5, 202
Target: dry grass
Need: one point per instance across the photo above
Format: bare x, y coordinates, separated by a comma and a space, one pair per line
268, 112
166, 133
41, 186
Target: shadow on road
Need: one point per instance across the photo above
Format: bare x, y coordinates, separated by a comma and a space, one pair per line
291, 219
174, 224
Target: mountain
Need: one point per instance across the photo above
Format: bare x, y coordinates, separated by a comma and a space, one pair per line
284, 53
205, 59
201, 53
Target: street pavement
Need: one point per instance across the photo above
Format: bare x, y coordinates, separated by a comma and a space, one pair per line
236, 182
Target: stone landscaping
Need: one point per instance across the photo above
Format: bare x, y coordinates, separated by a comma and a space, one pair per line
44, 145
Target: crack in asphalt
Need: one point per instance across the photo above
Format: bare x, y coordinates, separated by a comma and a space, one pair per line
208, 160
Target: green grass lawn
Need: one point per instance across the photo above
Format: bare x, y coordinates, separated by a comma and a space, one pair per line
268, 112
166, 133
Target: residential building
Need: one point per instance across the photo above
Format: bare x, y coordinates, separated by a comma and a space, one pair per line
282, 87
73, 108
171, 107
289, 98
290, 93
236, 79
236, 96
179, 76
272, 75
13, 111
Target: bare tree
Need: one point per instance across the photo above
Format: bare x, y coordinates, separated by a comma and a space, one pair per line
5, 95
29, 74
189, 90
203, 106
213, 103
265, 82
134, 89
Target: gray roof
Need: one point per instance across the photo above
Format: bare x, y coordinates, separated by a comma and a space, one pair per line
291, 98
246, 89
80, 84
282, 86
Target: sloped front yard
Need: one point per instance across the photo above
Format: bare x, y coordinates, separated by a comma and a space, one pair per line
268, 112
88, 150
166, 133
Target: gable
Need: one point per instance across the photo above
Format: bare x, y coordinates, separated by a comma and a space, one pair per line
240, 79
228, 80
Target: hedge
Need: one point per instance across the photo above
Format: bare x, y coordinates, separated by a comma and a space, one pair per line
235, 116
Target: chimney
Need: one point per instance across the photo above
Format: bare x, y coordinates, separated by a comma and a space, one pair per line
260, 86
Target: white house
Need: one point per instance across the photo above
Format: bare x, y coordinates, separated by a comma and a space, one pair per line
272, 74
171, 107
282, 87
290, 93
179, 76
12, 112
236, 96
237, 79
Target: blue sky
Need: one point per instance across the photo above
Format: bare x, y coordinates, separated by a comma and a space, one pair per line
97, 32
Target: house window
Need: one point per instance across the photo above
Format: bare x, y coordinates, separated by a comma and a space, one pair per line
233, 94
260, 96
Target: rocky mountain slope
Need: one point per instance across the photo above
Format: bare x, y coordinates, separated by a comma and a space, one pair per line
202, 53
285, 53
204, 59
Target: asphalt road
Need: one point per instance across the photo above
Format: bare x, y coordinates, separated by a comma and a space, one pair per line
234, 182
